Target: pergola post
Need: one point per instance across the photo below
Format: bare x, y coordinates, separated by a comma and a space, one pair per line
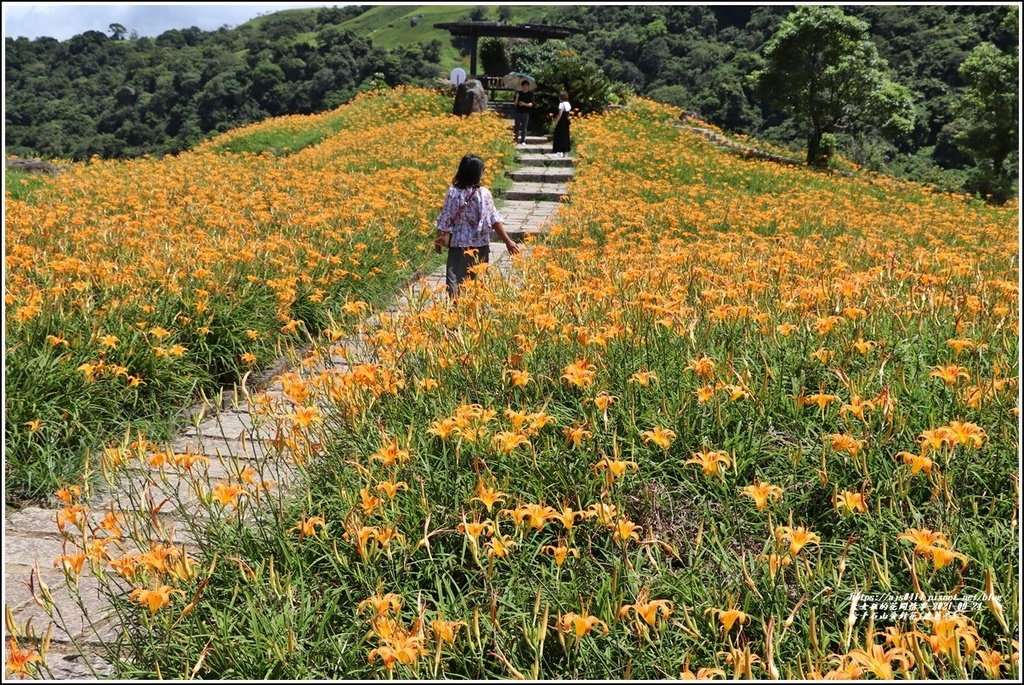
472, 54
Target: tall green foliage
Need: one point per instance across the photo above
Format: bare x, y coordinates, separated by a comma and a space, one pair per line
588, 88
991, 109
822, 67
107, 96
493, 57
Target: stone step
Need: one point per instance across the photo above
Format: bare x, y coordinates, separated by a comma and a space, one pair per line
534, 147
550, 192
531, 159
526, 217
541, 174
537, 140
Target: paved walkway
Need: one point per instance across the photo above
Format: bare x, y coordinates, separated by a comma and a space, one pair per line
229, 436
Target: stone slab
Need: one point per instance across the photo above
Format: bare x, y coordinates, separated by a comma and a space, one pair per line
34, 521
541, 175
26, 551
65, 663
543, 159
82, 614
232, 426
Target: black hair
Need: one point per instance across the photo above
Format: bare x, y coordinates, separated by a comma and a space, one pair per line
471, 171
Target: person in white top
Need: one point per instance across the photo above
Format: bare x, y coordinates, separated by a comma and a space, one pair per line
560, 140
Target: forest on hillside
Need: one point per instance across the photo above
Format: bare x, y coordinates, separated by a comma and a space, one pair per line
114, 95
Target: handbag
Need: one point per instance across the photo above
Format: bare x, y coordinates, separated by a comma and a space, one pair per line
444, 238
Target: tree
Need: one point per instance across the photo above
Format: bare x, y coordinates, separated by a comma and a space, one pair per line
821, 66
117, 31
990, 106
588, 87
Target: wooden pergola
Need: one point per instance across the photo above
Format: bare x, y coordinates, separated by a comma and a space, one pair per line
476, 29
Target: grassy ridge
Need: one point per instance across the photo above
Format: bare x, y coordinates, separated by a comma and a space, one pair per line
390, 26
722, 399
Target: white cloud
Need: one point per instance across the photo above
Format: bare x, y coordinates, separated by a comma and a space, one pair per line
64, 20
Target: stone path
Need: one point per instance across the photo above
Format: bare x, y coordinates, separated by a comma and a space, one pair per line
229, 435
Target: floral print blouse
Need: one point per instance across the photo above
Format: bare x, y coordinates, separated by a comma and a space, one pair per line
472, 227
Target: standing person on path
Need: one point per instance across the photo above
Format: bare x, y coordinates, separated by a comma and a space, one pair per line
523, 102
560, 140
468, 215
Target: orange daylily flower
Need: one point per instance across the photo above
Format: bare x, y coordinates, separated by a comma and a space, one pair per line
762, 493
711, 462
154, 599
567, 517
729, 617
916, 462
662, 437
616, 468
519, 378
580, 625
702, 674
579, 374
576, 434
474, 530
624, 530
390, 453
382, 605
643, 378
924, 539
703, 366
307, 526
604, 513
950, 374
391, 488
560, 552
879, 661
445, 631
18, 659
965, 433
487, 495
850, 502
508, 441
821, 399
647, 610
798, 538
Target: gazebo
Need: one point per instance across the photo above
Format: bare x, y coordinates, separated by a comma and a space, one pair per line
475, 29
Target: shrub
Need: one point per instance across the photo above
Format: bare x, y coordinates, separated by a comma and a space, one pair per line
675, 95
493, 57
589, 89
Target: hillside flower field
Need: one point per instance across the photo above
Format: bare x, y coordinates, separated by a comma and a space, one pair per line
133, 286
730, 419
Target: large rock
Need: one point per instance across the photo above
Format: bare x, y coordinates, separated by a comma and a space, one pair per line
470, 97
34, 166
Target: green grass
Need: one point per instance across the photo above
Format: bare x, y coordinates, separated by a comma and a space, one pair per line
390, 26
24, 186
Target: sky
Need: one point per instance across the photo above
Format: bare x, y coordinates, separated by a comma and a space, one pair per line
64, 20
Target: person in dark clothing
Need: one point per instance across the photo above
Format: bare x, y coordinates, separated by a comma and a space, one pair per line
560, 140
523, 102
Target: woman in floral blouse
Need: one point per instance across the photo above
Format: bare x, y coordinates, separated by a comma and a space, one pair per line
469, 215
